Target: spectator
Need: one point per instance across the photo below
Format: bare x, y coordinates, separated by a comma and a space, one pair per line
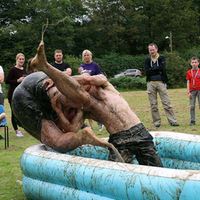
156, 77
88, 66
14, 78
1, 81
2, 115
92, 68
58, 62
193, 87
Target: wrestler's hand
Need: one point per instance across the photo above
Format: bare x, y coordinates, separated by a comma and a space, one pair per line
56, 105
68, 71
97, 80
49, 83
77, 121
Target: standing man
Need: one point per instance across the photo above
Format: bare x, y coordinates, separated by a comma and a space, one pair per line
156, 77
58, 62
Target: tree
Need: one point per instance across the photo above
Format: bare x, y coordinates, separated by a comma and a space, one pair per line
22, 30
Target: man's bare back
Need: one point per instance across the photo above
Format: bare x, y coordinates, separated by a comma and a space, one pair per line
111, 110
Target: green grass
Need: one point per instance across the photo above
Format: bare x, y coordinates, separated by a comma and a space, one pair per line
10, 173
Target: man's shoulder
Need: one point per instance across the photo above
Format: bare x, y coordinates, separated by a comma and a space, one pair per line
161, 57
147, 58
65, 64
147, 62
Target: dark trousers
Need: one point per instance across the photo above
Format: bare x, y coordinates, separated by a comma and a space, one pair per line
137, 142
1, 99
13, 118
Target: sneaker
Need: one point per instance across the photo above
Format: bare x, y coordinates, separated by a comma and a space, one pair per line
174, 124
157, 125
19, 134
192, 123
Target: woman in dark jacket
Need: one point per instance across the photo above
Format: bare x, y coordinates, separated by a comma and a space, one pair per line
14, 78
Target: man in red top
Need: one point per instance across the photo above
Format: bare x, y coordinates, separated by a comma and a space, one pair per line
193, 87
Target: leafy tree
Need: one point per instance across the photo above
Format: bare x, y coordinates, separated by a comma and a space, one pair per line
22, 30
112, 30
176, 70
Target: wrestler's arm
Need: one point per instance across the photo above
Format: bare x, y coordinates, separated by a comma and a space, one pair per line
77, 121
97, 80
57, 107
101, 81
67, 85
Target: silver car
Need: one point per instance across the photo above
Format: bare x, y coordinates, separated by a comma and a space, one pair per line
129, 72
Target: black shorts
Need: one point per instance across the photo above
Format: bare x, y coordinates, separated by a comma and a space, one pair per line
1, 99
136, 134
138, 142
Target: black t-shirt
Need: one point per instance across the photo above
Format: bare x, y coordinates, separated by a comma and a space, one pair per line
62, 67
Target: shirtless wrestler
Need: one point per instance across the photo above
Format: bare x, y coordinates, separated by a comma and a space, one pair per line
47, 115
107, 106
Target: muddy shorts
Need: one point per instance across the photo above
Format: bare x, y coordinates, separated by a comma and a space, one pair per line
135, 142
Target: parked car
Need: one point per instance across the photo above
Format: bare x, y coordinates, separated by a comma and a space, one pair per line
129, 72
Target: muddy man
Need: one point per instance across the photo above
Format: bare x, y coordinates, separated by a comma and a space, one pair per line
96, 96
48, 116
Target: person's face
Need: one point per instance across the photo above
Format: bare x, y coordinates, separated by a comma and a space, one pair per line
58, 57
194, 63
87, 58
20, 61
152, 50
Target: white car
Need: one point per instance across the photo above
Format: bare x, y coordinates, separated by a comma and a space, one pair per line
129, 72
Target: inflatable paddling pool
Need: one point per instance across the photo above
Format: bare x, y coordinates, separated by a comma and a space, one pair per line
86, 174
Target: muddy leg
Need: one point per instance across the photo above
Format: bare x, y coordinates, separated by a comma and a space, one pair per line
52, 136
88, 137
39, 62
67, 85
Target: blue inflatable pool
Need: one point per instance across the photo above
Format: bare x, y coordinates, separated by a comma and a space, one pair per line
86, 174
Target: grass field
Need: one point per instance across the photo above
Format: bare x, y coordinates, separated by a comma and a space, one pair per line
10, 173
